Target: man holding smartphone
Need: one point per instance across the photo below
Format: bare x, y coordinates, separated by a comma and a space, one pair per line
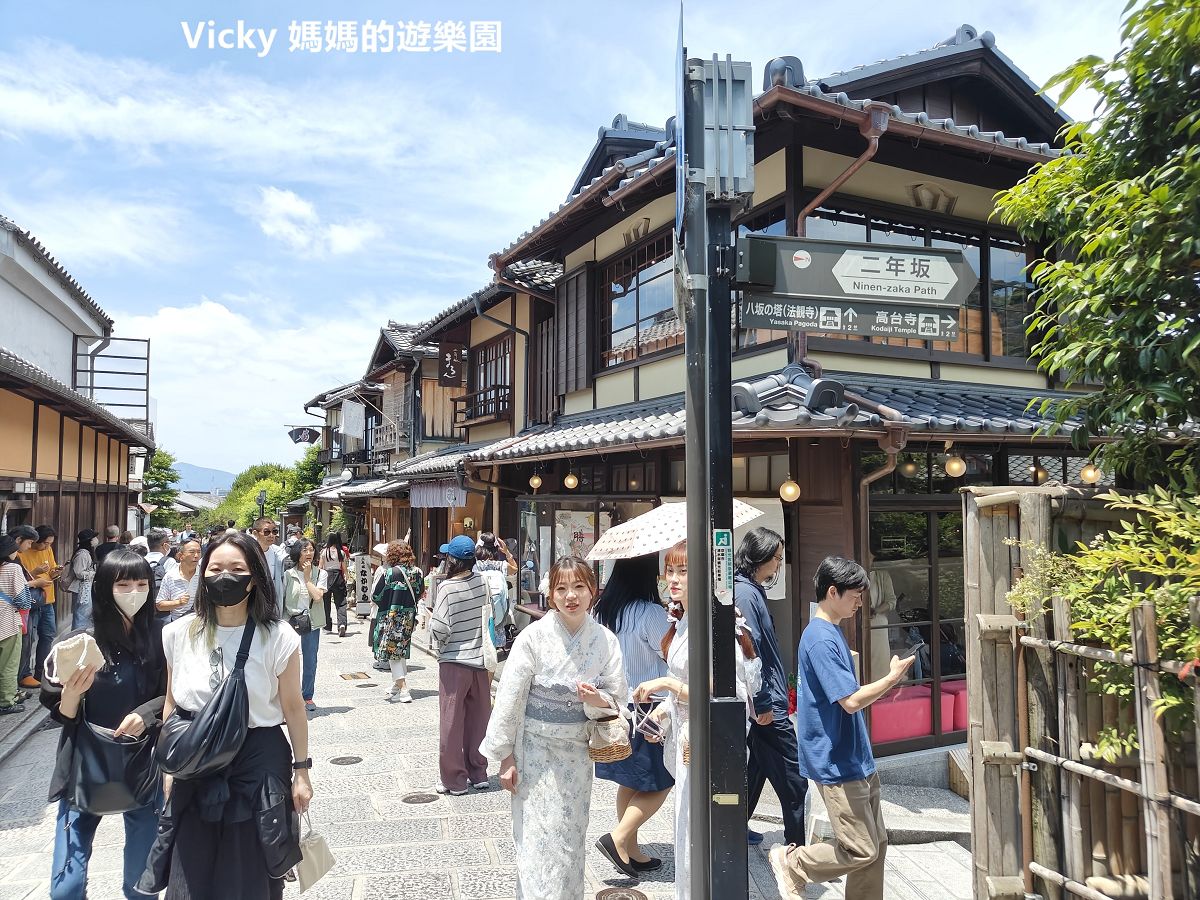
835, 750
35, 644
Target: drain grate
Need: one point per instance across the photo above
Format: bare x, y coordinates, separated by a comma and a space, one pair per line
346, 760
355, 676
620, 893
418, 798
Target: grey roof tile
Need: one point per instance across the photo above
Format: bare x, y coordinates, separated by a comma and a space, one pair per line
535, 275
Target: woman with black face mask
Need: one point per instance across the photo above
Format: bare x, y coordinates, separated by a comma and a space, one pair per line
221, 843
126, 695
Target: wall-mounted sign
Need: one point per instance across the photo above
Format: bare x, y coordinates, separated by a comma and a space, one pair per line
450, 364
868, 289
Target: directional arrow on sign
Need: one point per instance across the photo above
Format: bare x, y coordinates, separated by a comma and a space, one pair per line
896, 274
948, 322
851, 315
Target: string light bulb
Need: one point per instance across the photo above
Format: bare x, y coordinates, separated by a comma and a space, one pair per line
1090, 474
955, 466
789, 491
571, 481
535, 481
909, 468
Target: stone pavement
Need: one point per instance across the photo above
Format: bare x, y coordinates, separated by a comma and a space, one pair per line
451, 848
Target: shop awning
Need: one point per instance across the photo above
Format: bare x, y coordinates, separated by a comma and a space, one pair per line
377, 488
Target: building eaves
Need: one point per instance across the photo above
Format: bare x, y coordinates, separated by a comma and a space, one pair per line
538, 276
967, 39
59, 272
443, 462
780, 402
357, 389
26, 373
611, 139
402, 338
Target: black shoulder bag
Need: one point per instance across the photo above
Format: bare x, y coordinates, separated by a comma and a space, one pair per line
194, 745
301, 622
110, 774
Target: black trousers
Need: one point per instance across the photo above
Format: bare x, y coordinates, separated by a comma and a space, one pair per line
774, 757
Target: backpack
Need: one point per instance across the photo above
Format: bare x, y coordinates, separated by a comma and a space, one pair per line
391, 593
159, 568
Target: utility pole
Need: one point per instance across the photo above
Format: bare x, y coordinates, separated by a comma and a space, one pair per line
715, 172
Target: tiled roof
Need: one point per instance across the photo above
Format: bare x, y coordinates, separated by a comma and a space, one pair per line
329, 398
443, 461
534, 275
623, 177
376, 488
966, 39
780, 401
401, 337
26, 372
55, 268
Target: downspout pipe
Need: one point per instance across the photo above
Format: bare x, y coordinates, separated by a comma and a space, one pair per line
895, 440
528, 341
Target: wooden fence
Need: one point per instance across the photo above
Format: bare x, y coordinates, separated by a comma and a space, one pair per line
1049, 817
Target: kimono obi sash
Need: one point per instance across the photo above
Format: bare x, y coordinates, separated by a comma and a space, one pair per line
556, 704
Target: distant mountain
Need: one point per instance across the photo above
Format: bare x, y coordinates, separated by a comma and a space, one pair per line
200, 480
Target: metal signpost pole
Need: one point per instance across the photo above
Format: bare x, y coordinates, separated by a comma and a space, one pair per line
715, 173
696, 473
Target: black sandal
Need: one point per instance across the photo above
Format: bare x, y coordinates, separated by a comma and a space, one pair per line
606, 846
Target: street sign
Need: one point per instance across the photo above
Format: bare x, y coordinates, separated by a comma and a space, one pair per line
873, 318
809, 269
723, 565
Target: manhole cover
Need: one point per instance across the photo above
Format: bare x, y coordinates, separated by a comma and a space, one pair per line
346, 760
620, 893
367, 684
418, 798
355, 676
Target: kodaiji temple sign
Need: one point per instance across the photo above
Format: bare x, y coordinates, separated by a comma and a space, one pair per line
866, 289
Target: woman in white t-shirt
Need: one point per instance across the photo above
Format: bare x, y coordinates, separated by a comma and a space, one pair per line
217, 845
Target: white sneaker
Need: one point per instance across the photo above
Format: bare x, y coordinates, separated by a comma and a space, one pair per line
790, 887
404, 696
481, 785
442, 789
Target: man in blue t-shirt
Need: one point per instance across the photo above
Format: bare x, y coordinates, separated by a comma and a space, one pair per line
835, 750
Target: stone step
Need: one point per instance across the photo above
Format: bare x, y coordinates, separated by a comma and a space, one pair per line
913, 815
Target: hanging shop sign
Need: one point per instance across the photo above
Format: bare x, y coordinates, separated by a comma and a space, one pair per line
450, 365
442, 494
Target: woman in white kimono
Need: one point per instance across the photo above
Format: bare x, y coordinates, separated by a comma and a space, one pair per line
558, 668
672, 714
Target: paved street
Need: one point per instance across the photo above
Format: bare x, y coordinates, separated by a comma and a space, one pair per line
453, 848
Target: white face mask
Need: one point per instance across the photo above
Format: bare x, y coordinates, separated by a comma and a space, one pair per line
95, 542
131, 602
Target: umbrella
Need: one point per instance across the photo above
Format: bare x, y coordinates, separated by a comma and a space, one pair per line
659, 529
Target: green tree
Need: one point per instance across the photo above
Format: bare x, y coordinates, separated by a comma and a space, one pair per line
1118, 304
158, 488
306, 474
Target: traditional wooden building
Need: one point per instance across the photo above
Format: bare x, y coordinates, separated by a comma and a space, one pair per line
574, 415
66, 460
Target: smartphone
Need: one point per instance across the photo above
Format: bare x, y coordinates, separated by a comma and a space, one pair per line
912, 651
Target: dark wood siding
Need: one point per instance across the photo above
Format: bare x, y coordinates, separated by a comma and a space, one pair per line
573, 333
543, 398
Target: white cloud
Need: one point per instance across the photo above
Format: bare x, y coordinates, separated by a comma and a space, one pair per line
98, 230
227, 386
287, 217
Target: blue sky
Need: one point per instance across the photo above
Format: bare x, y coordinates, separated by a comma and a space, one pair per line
260, 217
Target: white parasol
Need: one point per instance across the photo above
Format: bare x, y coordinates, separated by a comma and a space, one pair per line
659, 529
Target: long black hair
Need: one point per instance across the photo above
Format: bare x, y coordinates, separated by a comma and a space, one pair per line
632, 581
335, 540
262, 608
757, 547
488, 550
108, 622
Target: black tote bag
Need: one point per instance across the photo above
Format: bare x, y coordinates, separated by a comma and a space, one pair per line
109, 774
194, 745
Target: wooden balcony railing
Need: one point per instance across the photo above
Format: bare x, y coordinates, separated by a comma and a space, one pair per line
386, 436
493, 404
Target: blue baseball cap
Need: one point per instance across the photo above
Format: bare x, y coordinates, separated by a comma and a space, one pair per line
461, 547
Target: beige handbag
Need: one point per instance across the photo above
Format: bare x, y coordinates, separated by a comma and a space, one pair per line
70, 655
608, 739
316, 859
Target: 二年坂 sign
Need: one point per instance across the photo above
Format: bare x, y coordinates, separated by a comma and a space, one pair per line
864, 289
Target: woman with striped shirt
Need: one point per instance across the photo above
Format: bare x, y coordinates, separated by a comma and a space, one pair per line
456, 629
629, 607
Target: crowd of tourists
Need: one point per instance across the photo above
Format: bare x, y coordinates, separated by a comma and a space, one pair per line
598, 688
184, 683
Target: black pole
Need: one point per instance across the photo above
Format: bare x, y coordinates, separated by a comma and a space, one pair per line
696, 473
